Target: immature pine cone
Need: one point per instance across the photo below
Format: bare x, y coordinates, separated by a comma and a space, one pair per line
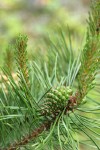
55, 101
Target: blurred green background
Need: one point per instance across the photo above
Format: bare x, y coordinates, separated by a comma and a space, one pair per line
37, 19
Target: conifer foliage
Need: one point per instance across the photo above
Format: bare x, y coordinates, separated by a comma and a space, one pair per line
90, 60
45, 110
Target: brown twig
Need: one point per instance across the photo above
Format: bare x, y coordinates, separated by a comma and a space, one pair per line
34, 134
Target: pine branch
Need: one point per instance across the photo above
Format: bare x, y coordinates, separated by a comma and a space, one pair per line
56, 101
57, 105
90, 61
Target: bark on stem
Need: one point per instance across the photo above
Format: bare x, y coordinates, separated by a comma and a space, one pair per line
34, 134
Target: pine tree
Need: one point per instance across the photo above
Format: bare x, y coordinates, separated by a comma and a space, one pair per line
45, 110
